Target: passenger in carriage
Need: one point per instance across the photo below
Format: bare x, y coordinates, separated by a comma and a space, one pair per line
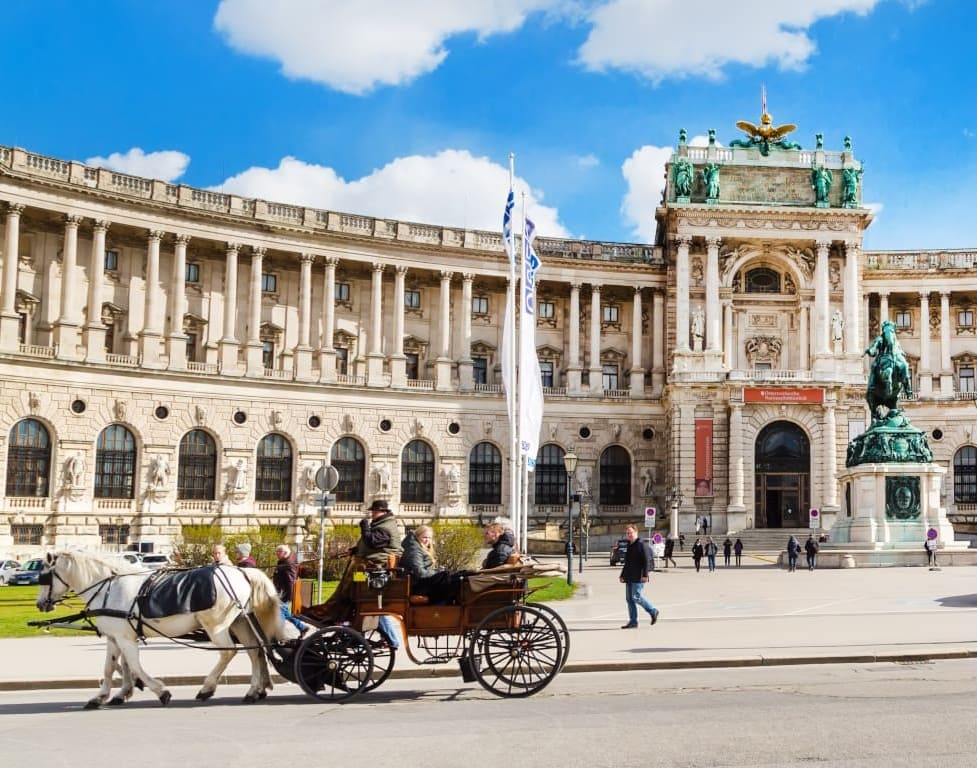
242, 553
380, 534
502, 543
220, 555
439, 585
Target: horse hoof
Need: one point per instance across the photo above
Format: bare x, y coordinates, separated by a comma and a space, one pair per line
164, 698
140, 684
93, 704
250, 698
204, 695
117, 701
262, 694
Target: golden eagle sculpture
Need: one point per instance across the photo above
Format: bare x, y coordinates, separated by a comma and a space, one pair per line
766, 134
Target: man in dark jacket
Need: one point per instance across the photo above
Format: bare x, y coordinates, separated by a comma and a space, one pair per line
380, 534
284, 578
634, 576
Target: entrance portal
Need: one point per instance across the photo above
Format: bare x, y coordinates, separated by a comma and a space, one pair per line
783, 475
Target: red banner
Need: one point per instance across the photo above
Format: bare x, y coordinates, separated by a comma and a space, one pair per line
703, 457
777, 395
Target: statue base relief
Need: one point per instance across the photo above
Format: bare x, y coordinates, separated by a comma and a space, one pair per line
452, 507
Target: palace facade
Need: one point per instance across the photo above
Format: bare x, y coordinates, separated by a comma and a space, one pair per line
173, 356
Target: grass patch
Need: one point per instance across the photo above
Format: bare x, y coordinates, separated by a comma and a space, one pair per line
18, 605
550, 588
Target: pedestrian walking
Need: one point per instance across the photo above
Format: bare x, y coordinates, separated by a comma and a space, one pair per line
793, 551
811, 549
705, 525
669, 551
698, 525
711, 552
634, 576
931, 547
727, 551
738, 551
697, 553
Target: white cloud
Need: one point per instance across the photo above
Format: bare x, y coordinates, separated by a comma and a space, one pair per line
451, 188
681, 38
357, 46
586, 161
166, 165
644, 173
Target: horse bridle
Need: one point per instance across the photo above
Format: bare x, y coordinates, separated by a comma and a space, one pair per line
46, 579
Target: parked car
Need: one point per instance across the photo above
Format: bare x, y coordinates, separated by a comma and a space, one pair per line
27, 573
7, 568
156, 562
618, 551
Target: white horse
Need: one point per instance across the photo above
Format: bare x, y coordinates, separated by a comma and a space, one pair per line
109, 590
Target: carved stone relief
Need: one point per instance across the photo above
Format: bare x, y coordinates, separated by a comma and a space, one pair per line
763, 349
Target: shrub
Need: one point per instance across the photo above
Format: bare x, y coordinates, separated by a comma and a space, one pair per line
339, 540
456, 544
263, 540
196, 544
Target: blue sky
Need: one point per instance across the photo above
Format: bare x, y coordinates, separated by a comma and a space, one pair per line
409, 108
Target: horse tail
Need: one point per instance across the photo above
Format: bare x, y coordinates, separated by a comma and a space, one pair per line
265, 602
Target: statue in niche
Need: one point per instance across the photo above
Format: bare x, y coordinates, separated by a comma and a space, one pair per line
647, 482
789, 286
683, 175
159, 471
453, 478
381, 477
698, 328
821, 180
695, 273
710, 177
837, 327
834, 276
308, 478
237, 477
583, 481
74, 471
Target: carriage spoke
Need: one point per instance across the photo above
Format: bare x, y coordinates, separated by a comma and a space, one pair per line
516, 660
334, 664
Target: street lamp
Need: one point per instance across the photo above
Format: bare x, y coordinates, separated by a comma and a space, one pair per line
570, 465
674, 498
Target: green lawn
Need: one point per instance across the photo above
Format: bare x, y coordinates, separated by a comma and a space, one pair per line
17, 606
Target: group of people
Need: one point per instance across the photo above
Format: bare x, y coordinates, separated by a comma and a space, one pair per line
709, 550
284, 576
794, 552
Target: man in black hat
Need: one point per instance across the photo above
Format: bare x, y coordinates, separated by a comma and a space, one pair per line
380, 534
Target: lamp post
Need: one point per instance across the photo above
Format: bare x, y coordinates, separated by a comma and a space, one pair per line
674, 498
570, 465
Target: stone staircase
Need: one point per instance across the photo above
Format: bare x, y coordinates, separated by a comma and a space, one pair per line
762, 539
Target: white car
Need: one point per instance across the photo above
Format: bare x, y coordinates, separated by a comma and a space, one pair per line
155, 562
7, 568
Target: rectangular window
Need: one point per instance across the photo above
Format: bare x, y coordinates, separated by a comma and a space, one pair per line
269, 282
479, 305
546, 310
114, 535
193, 273
191, 347
610, 313
27, 535
110, 338
22, 327
546, 372
610, 376
412, 299
904, 319
268, 354
966, 382
412, 366
111, 261
342, 292
480, 370
965, 318
342, 361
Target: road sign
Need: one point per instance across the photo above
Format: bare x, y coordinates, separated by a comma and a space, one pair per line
657, 538
650, 514
814, 518
327, 477
932, 533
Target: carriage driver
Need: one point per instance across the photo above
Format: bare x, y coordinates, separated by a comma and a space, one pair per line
380, 534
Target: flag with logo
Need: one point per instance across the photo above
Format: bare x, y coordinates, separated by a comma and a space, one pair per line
508, 329
530, 380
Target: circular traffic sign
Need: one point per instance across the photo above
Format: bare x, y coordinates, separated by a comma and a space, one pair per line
932, 533
326, 478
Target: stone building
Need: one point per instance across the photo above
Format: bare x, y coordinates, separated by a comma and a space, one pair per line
172, 356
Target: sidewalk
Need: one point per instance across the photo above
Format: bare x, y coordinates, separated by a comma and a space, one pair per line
754, 615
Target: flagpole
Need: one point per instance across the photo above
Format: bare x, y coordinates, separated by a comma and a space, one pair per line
514, 463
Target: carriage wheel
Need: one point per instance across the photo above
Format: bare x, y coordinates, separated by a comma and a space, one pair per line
334, 664
384, 656
561, 628
516, 651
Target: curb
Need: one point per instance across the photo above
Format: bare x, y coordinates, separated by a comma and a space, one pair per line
570, 668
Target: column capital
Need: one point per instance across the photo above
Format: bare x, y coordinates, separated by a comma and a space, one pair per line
331, 261
258, 251
15, 209
683, 240
883, 294
575, 286
638, 289
736, 405
945, 295
924, 296
468, 277
596, 287
306, 258
230, 246
822, 245
101, 225
182, 239
851, 246
400, 270
378, 267
72, 219
156, 234
446, 275
713, 241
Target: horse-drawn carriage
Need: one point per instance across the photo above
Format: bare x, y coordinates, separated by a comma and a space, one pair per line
511, 647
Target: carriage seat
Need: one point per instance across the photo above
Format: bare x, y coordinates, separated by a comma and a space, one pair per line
419, 600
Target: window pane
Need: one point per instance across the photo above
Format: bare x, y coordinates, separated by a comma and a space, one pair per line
198, 466
762, 281
551, 476
485, 475
342, 291
111, 260
609, 373
546, 372
480, 370
28, 459
115, 464
342, 361
417, 473
547, 309
193, 273
412, 299
349, 460
479, 305
269, 282
273, 476
615, 476
965, 475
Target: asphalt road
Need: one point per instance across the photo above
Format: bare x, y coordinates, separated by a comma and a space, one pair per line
858, 716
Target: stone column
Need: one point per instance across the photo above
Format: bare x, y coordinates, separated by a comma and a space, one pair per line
398, 360
682, 294
596, 380
9, 319
830, 458
327, 352
443, 362
821, 296
151, 334
66, 326
573, 321
94, 334
946, 365
736, 460
374, 359
657, 342
255, 365
853, 332
804, 356
925, 369
466, 378
713, 307
728, 360
176, 339
637, 367
229, 345
883, 308
303, 350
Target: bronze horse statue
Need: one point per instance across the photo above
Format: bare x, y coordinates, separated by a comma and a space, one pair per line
889, 375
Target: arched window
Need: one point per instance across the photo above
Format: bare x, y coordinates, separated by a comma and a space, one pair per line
198, 466
485, 475
28, 459
348, 459
115, 463
615, 476
273, 475
417, 473
551, 476
965, 475
762, 280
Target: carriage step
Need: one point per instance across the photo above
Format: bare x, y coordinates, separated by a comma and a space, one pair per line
442, 658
